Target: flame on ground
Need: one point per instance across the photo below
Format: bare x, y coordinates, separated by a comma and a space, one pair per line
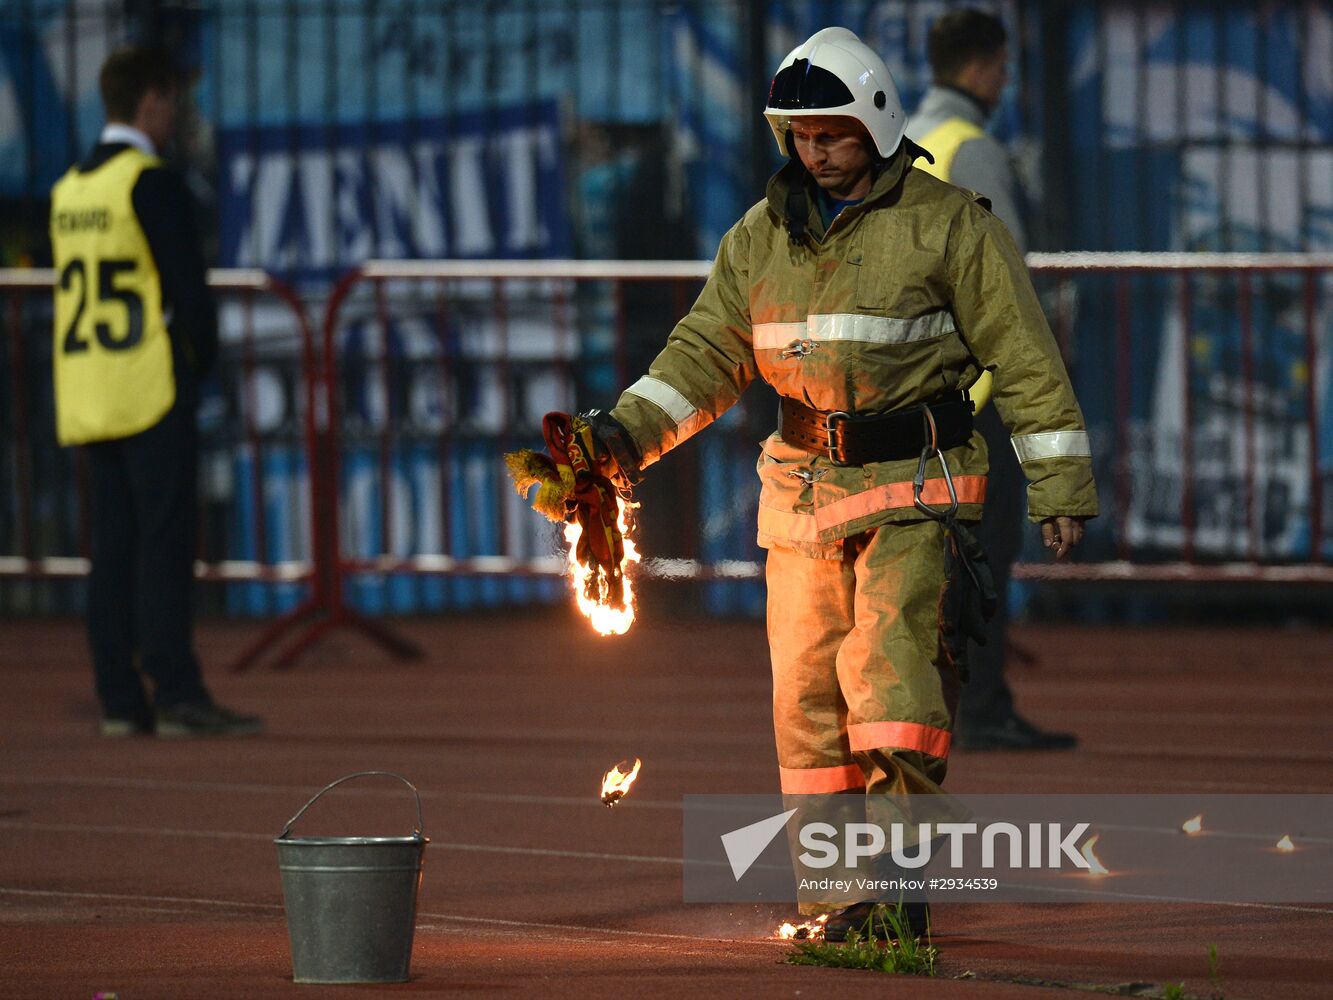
812, 930
617, 783
1193, 826
1095, 867
605, 619
1285, 845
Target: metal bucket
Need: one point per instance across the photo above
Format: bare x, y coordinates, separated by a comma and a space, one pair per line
351, 901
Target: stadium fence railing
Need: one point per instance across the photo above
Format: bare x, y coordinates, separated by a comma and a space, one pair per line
358, 470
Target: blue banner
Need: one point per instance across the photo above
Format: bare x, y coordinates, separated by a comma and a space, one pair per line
310, 201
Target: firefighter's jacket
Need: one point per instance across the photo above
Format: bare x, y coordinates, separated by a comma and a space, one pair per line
907, 296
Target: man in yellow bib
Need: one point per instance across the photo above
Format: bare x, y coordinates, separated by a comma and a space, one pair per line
135, 331
969, 57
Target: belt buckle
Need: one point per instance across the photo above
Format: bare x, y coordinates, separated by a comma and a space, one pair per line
835, 452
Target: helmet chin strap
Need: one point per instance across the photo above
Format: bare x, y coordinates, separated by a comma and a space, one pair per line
798, 203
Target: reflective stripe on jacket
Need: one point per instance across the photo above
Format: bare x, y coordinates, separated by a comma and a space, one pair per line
910, 294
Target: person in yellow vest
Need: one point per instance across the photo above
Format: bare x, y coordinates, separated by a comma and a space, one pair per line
969, 58
135, 331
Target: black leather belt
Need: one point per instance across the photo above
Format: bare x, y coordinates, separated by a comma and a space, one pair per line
849, 439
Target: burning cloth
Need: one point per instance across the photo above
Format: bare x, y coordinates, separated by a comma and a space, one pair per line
573, 486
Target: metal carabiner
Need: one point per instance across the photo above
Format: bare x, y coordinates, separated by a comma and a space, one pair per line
919, 480
808, 476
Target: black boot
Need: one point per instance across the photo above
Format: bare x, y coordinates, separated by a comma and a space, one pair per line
882, 919
874, 919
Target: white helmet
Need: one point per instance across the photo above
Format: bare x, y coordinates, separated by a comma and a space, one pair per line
835, 73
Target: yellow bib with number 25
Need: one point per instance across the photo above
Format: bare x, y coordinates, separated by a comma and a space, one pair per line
112, 353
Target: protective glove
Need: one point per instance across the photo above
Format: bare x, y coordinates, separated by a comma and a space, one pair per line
575, 484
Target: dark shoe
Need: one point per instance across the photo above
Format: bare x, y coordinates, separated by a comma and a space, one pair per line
122, 726
190, 720
1013, 732
863, 918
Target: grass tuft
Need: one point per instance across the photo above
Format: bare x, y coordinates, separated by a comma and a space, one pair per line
905, 956
1215, 972
1176, 991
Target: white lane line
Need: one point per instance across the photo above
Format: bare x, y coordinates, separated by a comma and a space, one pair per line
1176, 753
578, 855
116, 897
1065, 890
514, 739
1131, 714
1268, 838
549, 853
144, 831
969, 762
150, 784
129, 900
595, 930
10, 824
157, 784
967, 769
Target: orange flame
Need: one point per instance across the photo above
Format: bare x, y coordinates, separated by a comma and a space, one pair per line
1285, 845
617, 783
1095, 867
1193, 826
812, 930
605, 619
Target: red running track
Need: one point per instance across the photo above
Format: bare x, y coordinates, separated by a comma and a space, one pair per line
146, 867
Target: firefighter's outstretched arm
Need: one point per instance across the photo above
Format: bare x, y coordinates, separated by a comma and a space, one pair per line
707, 363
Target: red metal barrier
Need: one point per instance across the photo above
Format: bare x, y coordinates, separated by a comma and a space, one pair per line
327, 609
498, 277
562, 286
1190, 267
22, 288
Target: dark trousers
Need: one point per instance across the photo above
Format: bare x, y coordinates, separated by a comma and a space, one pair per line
140, 589
986, 698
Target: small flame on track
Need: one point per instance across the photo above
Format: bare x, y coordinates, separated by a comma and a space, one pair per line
811, 930
617, 783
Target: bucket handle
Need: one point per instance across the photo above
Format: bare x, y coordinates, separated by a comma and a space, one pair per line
417, 831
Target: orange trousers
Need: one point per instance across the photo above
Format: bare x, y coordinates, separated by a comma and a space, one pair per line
864, 693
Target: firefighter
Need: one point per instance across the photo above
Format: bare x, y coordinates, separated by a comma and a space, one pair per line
870, 295
135, 331
969, 59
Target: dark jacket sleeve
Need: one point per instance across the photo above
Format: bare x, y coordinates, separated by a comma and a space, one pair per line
167, 213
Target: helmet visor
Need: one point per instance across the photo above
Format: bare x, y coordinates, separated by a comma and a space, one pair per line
803, 87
